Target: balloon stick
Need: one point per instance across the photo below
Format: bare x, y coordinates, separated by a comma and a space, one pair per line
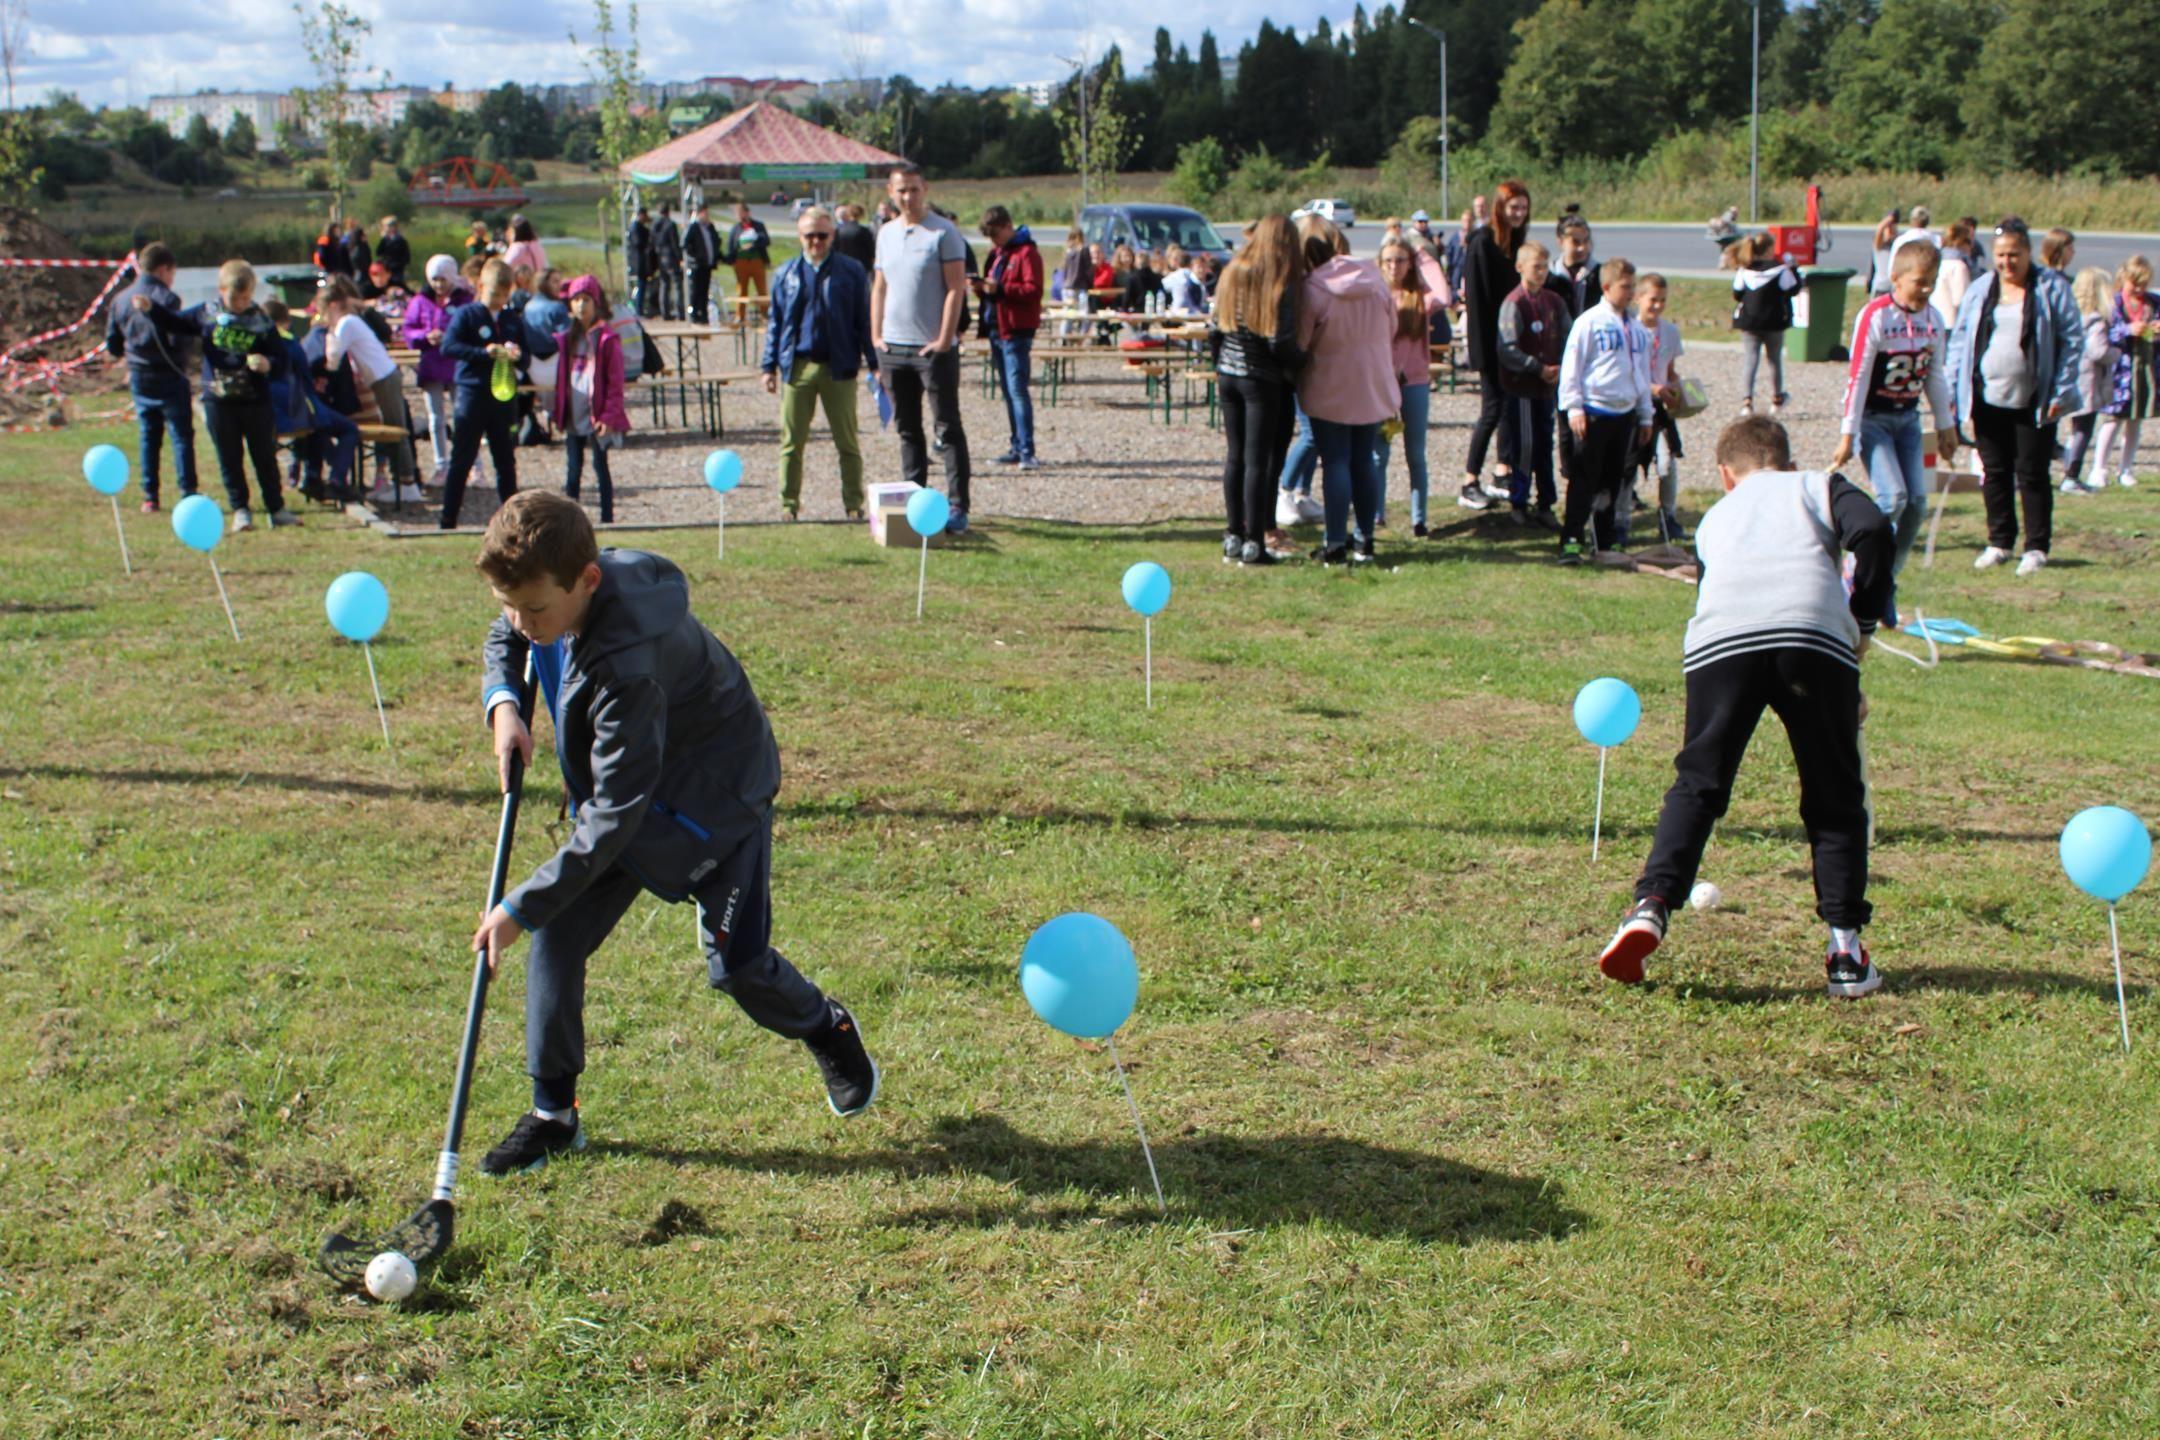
125, 563
1147, 631
2122, 1006
922, 576
1139, 1125
720, 548
223, 596
369, 651
1597, 826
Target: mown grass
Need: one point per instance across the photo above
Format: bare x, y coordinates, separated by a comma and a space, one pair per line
1427, 1173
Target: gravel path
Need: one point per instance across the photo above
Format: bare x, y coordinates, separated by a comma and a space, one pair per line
1107, 460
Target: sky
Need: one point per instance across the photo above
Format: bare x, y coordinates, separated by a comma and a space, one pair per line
115, 53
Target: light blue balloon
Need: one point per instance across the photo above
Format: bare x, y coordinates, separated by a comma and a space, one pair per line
2106, 851
199, 523
723, 470
106, 468
357, 605
1607, 711
1079, 975
927, 512
1147, 587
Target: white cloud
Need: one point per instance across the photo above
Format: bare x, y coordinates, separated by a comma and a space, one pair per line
121, 54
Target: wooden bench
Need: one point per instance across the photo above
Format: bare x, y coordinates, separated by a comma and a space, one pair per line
705, 389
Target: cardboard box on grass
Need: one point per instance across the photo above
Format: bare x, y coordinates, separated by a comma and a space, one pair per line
887, 506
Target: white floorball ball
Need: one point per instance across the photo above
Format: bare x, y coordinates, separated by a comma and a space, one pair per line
391, 1277
1705, 896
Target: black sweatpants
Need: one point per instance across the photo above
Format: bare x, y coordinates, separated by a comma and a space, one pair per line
734, 923
1601, 468
2014, 458
1495, 411
245, 432
700, 293
908, 374
1818, 698
1256, 431
496, 420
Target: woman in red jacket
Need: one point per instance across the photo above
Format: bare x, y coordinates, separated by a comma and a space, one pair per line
588, 409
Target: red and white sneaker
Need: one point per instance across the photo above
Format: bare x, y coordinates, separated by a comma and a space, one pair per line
1847, 976
1640, 933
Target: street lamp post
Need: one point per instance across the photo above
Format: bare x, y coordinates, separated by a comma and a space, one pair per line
1754, 136
1446, 209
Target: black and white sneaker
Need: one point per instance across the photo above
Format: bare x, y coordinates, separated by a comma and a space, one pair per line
1473, 496
1361, 552
1847, 976
1233, 546
531, 1143
1332, 554
851, 1076
1641, 932
1255, 553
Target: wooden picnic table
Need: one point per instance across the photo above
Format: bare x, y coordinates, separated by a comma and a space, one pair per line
687, 335
740, 305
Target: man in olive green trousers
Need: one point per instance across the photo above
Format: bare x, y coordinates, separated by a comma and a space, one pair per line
817, 342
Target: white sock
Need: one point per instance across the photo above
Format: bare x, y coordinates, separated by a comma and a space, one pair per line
560, 1117
1844, 942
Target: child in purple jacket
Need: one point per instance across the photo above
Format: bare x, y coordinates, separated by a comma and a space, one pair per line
588, 409
427, 315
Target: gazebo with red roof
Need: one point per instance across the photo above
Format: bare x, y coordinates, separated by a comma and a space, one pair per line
759, 143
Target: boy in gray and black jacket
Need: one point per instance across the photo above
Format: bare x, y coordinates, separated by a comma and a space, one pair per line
670, 770
1775, 628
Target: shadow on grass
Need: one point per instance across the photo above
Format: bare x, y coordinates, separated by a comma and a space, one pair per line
1228, 1182
246, 779
1948, 979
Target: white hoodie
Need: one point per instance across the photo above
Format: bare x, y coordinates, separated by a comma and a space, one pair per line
1605, 368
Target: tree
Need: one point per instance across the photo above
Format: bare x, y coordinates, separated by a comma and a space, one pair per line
1098, 135
240, 138
20, 174
2048, 91
1902, 83
14, 41
1796, 67
332, 36
1713, 85
1203, 169
624, 134
517, 120
1556, 102
200, 136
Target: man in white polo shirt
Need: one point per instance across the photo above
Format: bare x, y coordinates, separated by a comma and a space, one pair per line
916, 298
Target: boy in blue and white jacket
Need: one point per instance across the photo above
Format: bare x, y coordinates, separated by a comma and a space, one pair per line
1606, 393
1775, 628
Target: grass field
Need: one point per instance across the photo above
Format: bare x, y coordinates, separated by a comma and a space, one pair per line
1428, 1174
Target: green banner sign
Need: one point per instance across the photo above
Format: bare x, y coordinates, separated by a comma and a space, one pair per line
802, 172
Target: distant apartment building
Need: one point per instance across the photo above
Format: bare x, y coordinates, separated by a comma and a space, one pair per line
265, 108
1038, 93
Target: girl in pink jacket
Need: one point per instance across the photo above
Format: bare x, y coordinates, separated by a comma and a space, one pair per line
1346, 327
588, 409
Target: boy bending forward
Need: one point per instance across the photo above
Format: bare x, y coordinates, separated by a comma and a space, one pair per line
1774, 628
671, 769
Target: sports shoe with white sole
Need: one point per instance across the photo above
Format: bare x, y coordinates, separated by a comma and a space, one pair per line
1286, 511
1312, 512
1989, 558
411, 495
531, 1143
1473, 496
851, 1076
2127, 480
1641, 932
2031, 563
1847, 976
241, 520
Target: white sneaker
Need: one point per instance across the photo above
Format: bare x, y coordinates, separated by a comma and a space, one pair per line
1286, 510
1309, 510
241, 520
2032, 562
440, 474
383, 493
2073, 486
2127, 480
411, 495
1989, 558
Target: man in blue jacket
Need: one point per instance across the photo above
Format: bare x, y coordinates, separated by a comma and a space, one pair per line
670, 769
157, 372
2013, 360
477, 336
817, 339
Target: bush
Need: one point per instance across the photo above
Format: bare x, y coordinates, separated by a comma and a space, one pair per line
1203, 170
381, 195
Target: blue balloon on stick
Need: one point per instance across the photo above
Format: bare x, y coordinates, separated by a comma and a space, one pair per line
1147, 588
199, 523
927, 512
723, 470
106, 468
357, 605
2106, 851
1079, 975
1607, 712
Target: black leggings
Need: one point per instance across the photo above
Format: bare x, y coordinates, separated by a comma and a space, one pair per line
2014, 459
245, 430
480, 419
1256, 426
1494, 411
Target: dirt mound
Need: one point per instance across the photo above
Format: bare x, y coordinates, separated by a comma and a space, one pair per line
34, 301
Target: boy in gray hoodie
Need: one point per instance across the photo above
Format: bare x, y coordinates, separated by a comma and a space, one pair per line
670, 769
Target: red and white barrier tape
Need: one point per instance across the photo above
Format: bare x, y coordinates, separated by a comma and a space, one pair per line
9, 264
14, 352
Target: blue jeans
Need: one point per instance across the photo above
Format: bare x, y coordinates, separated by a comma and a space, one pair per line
334, 438
1350, 461
1891, 448
574, 448
1416, 416
1303, 456
163, 404
1011, 357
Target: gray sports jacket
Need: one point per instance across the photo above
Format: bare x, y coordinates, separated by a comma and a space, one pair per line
664, 748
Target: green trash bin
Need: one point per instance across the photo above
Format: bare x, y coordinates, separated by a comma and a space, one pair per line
1818, 315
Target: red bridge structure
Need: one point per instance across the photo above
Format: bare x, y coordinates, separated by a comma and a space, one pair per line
463, 183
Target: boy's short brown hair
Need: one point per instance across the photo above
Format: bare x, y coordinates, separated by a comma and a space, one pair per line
154, 257
494, 277
1751, 443
536, 533
1617, 268
1915, 255
1650, 280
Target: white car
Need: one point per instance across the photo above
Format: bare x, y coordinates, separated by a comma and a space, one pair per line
1338, 211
